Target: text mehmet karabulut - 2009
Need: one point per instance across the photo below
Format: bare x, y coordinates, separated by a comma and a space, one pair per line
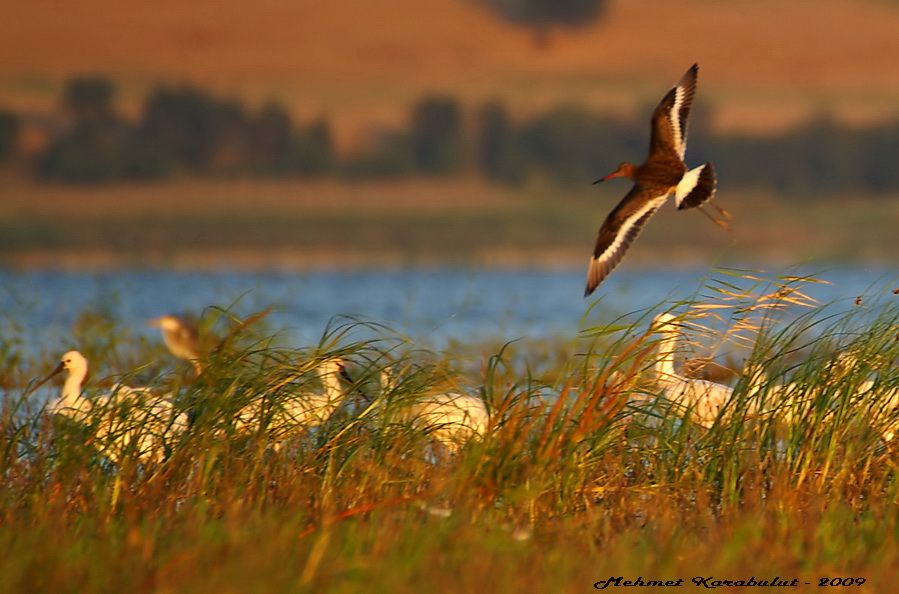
702, 582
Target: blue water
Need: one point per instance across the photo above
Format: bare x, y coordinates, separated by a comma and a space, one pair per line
430, 305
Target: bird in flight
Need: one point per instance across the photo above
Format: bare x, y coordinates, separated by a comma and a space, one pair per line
662, 174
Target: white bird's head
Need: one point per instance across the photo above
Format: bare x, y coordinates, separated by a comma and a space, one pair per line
168, 323
73, 362
663, 321
333, 366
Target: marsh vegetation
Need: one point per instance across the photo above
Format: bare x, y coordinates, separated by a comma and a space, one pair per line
582, 471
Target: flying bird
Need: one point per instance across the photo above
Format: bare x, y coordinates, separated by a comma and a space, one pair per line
662, 174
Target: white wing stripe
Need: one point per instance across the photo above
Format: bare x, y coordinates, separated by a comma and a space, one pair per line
626, 227
674, 120
687, 184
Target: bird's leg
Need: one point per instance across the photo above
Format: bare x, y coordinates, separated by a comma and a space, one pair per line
722, 222
724, 214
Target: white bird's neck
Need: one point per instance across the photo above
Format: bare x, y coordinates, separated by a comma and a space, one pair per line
665, 359
70, 397
387, 381
331, 384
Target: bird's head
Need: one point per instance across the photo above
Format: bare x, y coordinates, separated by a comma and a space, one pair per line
665, 323
168, 322
624, 169
73, 362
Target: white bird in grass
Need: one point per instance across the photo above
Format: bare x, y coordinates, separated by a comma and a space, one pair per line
868, 388
791, 396
181, 338
300, 413
126, 419
892, 408
451, 419
705, 399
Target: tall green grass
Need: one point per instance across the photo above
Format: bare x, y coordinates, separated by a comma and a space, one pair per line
583, 474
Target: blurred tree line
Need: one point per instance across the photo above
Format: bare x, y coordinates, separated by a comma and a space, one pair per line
181, 130
187, 131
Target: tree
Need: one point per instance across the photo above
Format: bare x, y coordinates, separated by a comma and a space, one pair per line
97, 145
499, 153
312, 150
193, 130
89, 100
436, 135
9, 133
571, 143
271, 134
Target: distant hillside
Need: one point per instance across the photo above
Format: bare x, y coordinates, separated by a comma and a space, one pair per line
765, 63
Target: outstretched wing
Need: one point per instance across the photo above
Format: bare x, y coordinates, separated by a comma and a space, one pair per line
619, 231
669, 120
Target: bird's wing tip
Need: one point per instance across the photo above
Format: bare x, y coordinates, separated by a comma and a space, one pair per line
593, 279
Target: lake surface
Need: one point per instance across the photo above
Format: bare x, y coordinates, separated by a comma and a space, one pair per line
431, 305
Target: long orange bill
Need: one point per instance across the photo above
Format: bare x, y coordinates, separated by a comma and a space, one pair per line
612, 175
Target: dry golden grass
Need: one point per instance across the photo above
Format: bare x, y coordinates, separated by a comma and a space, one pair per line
574, 480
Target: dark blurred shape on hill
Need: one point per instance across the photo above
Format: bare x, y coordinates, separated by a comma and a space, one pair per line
542, 15
187, 131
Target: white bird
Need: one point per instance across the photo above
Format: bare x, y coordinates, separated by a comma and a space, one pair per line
450, 419
298, 413
783, 394
126, 419
790, 395
868, 388
181, 338
892, 406
705, 399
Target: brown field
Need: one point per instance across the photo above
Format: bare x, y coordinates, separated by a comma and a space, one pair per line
766, 64
305, 224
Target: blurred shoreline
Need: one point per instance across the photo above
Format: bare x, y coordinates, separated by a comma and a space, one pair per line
293, 225
232, 260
